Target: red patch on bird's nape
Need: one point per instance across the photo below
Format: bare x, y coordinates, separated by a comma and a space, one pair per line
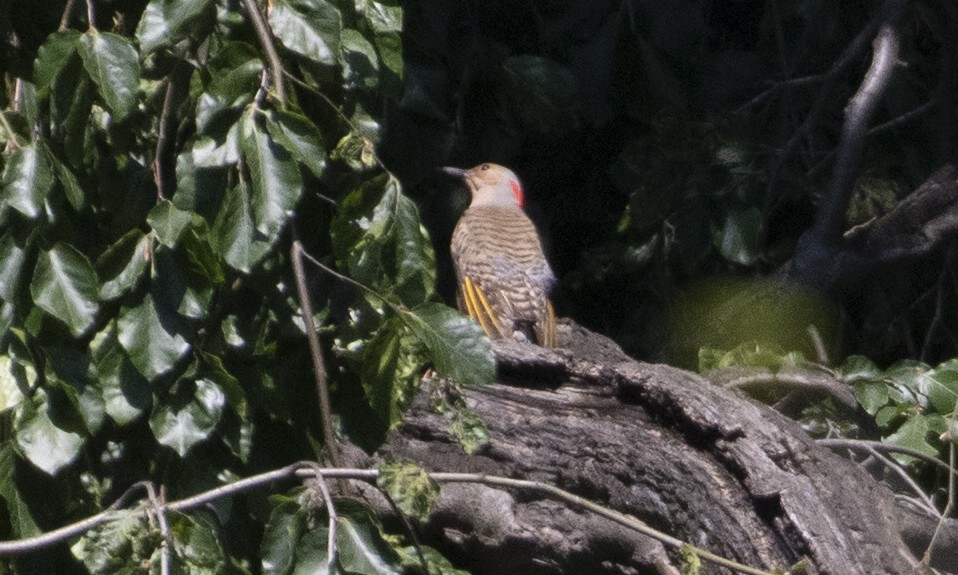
517, 192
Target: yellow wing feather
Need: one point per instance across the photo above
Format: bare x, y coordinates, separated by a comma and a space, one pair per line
478, 308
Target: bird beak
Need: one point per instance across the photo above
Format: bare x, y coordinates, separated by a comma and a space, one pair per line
454, 172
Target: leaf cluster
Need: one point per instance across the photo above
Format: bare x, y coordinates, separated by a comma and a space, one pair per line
153, 182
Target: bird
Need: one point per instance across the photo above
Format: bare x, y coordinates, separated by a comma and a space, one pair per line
503, 277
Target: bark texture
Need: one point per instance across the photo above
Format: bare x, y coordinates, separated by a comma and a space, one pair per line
696, 461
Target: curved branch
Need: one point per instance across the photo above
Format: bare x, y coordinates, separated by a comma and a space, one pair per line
831, 216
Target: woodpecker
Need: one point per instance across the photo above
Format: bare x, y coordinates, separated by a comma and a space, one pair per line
503, 277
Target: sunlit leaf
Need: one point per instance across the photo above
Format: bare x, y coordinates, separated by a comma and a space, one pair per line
126, 393
166, 22
310, 28
12, 257
150, 337
362, 549
410, 487
277, 184
182, 422
113, 64
943, 387
45, 444
53, 55
458, 346
299, 137
123, 263
360, 62
236, 238
390, 372
168, 222
65, 286
107, 547
912, 434
27, 180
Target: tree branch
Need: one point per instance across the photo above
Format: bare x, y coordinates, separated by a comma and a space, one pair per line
266, 41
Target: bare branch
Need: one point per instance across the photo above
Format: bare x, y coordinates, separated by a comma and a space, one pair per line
316, 351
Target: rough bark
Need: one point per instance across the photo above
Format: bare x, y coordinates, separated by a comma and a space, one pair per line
697, 461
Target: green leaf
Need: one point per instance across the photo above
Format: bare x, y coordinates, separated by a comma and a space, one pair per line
459, 348
12, 257
124, 263
872, 395
857, 368
238, 71
195, 545
312, 553
389, 249
381, 18
360, 62
235, 237
53, 55
113, 545
277, 184
166, 22
126, 393
300, 137
310, 28
150, 338
362, 548
738, 238
168, 222
389, 372
286, 525
27, 180
415, 260
113, 64
10, 394
912, 434
72, 371
71, 186
410, 487
45, 444
943, 387
183, 421
65, 286
19, 516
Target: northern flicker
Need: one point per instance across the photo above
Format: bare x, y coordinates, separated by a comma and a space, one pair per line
503, 277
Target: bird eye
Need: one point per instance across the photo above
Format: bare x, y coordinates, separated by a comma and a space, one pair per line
484, 167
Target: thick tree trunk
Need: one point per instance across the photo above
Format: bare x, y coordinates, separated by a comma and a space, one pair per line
691, 459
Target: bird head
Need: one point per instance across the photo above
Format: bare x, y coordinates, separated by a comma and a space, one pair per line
491, 185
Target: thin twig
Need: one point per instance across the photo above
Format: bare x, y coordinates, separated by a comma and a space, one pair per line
90, 15
65, 19
266, 41
903, 475
848, 57
879, 129
316, 352
926, 559
333, 518
308, 469
156, 506
867, 445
